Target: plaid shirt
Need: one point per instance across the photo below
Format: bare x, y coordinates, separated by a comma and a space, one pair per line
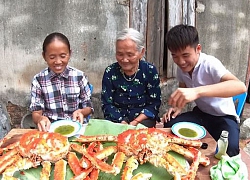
59, 95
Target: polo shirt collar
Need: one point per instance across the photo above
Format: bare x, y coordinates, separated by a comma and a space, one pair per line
64, 74
199, 61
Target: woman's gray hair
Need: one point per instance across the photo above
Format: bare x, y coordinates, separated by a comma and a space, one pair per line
134, 35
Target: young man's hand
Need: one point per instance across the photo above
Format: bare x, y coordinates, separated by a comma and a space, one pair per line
171, 113
182, 96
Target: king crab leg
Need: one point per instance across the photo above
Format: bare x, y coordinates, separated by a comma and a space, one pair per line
74, 163
45, 173
130, 166
60, 170
189, 154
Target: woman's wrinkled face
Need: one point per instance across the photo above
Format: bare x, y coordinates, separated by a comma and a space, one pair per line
187, 58
128, 56
57, 56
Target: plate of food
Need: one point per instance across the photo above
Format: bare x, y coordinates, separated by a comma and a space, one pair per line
189, 130
67, 128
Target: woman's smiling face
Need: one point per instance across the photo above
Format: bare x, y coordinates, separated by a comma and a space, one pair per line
57, 55
128, 55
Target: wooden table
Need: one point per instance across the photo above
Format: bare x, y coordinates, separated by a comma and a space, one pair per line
202, 173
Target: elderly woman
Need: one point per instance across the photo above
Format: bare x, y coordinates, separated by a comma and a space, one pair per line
130, 86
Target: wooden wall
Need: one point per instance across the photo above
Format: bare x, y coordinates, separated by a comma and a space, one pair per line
154, 19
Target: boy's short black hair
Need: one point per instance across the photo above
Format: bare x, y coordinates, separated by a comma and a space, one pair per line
181, 36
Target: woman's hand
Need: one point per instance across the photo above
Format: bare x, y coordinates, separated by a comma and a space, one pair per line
77, 115
134, 123
171, 113
44, 124
124, 122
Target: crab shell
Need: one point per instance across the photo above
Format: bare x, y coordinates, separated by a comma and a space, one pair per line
146, 142
48, 146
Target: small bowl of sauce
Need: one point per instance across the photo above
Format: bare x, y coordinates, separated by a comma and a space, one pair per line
66, 128
188, 130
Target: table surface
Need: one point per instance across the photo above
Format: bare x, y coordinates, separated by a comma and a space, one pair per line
202, 173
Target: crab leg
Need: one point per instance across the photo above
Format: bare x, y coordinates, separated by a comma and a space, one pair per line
184, 142
99, 155
175, 164
79, 172
7, 163
188, 154
100, 138
99, 163
9, 147
99, 147
194, 166
106, 152
91, 147
7, 159
83, 175
19, 164
169, 163
130, 166
45, 173
74, 164
60, 170
118, 161
85, 163
77, 148
94, 174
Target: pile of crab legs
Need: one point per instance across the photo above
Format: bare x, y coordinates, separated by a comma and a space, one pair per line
132, 146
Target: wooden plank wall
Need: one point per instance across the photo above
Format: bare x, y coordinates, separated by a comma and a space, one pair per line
179, 11
154, 19
175, 16
155, 33
138, 15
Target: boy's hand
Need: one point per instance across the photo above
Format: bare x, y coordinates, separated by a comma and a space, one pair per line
171, 113
182, 96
